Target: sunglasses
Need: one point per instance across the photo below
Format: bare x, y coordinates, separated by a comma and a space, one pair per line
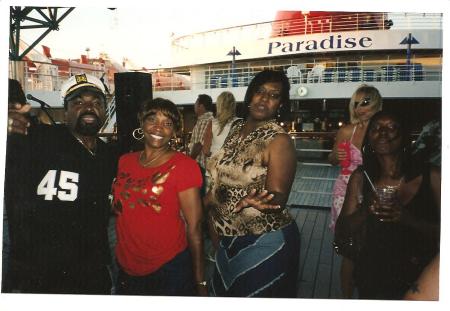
363, 103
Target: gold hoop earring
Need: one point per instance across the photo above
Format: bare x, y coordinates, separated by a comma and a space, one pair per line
173, 141
138, 131
367, 149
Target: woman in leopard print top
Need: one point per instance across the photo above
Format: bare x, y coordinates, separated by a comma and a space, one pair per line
251, 177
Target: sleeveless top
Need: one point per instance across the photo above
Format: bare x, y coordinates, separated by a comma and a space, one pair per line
340, 186
393, 254
235, 170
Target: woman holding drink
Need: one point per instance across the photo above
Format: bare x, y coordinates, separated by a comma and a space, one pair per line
390, 220
365, 101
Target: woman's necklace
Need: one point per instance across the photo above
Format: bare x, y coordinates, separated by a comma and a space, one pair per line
395, 186
145, 164
92, 152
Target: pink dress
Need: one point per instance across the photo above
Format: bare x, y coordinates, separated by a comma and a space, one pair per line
340, 186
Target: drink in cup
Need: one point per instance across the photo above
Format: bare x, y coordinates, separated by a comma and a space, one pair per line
387, 201
386, 195
345, 163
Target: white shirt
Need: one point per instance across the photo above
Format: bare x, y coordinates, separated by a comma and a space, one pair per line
218, 140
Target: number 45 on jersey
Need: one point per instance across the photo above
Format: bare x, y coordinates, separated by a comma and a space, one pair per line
67, 186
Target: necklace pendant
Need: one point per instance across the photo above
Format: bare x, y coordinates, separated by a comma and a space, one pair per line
85, 147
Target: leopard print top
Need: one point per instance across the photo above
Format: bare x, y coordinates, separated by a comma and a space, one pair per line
235, 170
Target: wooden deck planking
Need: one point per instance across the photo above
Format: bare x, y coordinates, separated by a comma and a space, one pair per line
310, 269
335, 283
325, 268
313, 186
305, 238
319, 266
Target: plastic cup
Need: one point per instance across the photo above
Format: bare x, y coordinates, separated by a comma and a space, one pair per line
387, 195
345, 163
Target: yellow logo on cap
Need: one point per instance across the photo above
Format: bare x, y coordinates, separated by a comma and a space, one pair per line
81, 78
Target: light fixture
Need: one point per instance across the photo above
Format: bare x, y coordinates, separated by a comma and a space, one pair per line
302, 91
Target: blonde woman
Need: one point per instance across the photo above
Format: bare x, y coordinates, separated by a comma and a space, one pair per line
219, 127
215, 134
364, 103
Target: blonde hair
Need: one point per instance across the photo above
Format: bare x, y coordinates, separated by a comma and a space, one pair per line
372, 93
226, 109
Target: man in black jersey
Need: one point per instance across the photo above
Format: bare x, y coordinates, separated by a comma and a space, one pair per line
57, 183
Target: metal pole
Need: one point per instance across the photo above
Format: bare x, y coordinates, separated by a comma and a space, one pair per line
408, 57
233, 60
408, 51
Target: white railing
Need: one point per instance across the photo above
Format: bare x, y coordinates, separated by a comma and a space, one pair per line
298, 73
317, 72
108, 126
323, 24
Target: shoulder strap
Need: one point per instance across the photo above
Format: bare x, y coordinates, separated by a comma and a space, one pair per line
353, 133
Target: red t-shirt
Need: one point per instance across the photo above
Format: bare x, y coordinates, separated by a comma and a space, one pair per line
150, 228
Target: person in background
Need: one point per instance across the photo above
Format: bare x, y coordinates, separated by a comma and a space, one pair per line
57, 183
427, 147
215, 134
203, 109
390, 239
157, 201
364, 103
251, 178
218, 128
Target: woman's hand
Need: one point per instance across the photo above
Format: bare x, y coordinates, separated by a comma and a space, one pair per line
338, 155
260, 201
341, 154
386, 212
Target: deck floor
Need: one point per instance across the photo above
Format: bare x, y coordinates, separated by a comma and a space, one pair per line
319, 264
313, 186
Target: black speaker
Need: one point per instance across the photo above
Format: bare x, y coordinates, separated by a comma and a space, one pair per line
131, 89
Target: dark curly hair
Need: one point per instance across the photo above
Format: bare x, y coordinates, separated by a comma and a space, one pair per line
165, 106
267, 76
206, 101
15, 92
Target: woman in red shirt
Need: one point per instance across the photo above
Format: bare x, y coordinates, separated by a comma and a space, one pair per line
156, 196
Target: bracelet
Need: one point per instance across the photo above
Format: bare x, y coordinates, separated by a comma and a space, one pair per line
202, 283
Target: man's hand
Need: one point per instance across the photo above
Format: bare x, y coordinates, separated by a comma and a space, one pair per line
18, 121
